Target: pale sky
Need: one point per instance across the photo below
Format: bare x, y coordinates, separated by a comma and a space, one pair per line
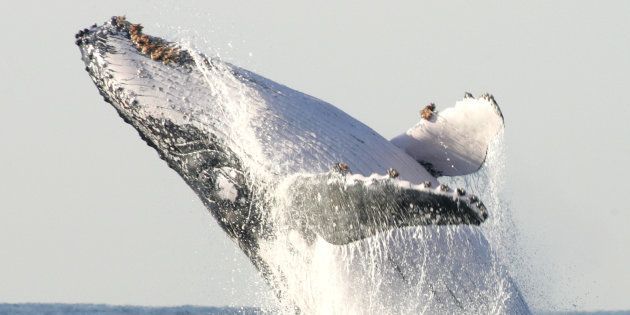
89, 213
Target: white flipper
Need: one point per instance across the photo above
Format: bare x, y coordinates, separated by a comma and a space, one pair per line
454, 141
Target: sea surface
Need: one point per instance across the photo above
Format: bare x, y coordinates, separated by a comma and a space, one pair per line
105, 309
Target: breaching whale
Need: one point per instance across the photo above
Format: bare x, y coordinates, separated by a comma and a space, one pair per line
335, 217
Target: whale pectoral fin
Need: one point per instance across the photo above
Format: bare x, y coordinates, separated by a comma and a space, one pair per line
454, 141
346, 208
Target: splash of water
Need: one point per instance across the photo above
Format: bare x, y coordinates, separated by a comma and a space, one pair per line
406, 270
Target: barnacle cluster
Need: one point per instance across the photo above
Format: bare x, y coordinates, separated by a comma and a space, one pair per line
341, 168
154, 47
427, 111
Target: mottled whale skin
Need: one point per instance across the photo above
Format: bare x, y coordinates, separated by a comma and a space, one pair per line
275, 166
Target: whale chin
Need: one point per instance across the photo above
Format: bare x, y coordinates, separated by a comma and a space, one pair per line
268, 161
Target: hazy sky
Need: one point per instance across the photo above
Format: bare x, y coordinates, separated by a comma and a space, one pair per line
88, 213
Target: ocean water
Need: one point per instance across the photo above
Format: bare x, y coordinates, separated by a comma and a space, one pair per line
104, 309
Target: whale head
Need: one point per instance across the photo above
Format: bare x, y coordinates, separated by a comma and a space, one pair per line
148, 81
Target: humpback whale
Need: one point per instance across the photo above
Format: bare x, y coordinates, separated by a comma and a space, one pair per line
336, 218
